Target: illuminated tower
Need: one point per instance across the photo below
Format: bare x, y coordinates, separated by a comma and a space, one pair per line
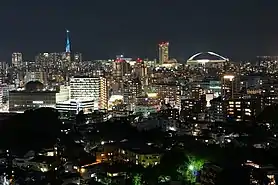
68, 43
67, 54
163, 52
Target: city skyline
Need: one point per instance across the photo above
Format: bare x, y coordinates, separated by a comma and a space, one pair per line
139, 92
101, 30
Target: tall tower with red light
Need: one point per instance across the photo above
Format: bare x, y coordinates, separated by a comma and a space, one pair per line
163, 52
120, 68
140, 68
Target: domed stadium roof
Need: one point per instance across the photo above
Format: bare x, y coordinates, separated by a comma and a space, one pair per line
210, 56
34, 86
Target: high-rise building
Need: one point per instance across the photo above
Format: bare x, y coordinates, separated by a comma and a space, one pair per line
77, 61
169, 94
4, 66
163, 52
230, 86
132, 90
77, 58
17, 60
120, 68
103, 95
140, 68
227, 87
1, 93
90, 88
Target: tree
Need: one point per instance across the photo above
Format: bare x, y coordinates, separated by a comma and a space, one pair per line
80, 117
190, 169
106, 180
261, 176
170, 161
151, 174
32, 130
137, 179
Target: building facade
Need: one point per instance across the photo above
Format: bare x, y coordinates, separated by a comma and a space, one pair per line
17, 60
94, 88
163, 52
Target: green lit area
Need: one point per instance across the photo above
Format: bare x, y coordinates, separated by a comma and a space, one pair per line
190, 169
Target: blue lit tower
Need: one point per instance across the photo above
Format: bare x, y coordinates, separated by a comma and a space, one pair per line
67, 54
68, 43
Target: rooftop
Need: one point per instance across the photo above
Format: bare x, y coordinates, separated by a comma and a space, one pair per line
209, 56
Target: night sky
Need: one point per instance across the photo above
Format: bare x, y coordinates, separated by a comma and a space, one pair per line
104, 28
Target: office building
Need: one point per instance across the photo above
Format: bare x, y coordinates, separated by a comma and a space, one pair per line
72, 107
17, 60
132, 90
94, 88
163, 52
35, 95
169, 94
230, 86
120, 68
77, 58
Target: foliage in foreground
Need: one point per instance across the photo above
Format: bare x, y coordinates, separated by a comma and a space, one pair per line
137, 179
190, 169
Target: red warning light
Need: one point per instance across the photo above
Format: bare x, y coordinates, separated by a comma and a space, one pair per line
118, 60
162, 44
139, 60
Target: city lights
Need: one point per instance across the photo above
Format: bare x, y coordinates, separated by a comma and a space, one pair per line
153, 112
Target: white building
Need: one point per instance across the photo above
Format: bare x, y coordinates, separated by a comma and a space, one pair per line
90, 88
63, 94
74, 106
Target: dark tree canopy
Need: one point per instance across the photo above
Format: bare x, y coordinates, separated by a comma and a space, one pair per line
234, 174
80, 117
269, 114
34, 129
